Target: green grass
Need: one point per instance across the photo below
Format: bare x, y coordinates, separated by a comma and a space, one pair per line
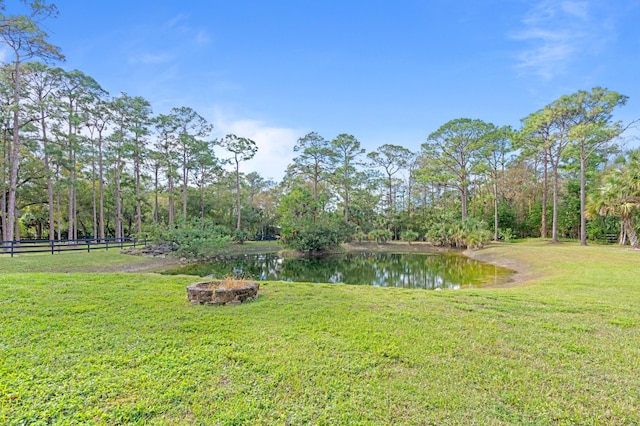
114, 348
78, 261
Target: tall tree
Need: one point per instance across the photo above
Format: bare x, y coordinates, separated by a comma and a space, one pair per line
191, 127
455, 146
76, 91
392, 159
206, 166
313, 158
535, 141
592, 129
243, 149
42, 88
493, 153
549, 128
166, 127
619, 195
25, 39
97, 117
134, 119
345, 156
156, 162
313, 161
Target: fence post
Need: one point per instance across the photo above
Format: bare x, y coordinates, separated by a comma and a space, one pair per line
88, 245
106, 240
12, 241
52, 246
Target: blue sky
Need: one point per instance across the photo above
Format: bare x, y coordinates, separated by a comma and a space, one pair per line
384, 71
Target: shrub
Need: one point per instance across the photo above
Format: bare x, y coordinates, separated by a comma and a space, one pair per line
320, 238
409, 235
380, 235
240, 236
468, 233
506, 234
196, 240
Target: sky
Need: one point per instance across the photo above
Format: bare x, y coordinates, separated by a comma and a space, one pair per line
387, 72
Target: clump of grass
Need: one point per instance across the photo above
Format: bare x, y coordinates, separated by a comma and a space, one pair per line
232, 281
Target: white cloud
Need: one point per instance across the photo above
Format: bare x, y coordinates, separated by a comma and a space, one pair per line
557, 33
202, 37
579, 9
180, 23
275, 144
148, 58
176, 20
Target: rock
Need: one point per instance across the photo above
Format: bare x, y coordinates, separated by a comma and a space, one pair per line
211, 293
156, 250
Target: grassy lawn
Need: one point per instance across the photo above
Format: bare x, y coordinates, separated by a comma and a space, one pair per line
560, 347
78, 261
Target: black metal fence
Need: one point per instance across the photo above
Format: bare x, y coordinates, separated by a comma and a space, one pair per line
58, 246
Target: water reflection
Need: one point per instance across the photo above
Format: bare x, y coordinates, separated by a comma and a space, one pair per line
421, 271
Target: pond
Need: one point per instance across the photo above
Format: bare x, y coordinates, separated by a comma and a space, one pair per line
420, 271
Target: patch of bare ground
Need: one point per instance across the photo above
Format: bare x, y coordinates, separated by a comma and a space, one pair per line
393, 247
524, 272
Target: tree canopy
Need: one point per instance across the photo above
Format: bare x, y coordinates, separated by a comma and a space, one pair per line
77, 162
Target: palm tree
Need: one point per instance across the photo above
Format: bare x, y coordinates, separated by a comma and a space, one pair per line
619, 196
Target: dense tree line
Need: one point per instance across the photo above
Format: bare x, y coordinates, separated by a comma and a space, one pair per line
79, 162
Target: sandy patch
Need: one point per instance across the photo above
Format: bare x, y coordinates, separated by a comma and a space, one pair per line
524, 273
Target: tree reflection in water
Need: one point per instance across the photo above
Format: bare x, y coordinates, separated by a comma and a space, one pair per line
420, 271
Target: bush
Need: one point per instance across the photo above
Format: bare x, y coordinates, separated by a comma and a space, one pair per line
409, 235
468, 233
240, 236
506, 235
380, 235
196, 240
320, 238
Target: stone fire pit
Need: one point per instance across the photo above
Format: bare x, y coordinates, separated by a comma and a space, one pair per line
214, 293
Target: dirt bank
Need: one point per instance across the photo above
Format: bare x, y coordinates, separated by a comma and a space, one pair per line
524, 273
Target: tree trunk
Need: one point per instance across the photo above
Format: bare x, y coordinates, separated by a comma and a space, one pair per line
202, 203
14, 157
58, 206
118, 199
3, 197
316, 173
94, 196
583, 219
390, 203
631, 232
167, 154
185, 183
622, 238
72, 179
346, 205
238, 191
101, 187
464, 193
496, 234
554, 220
17, 233
47, 169
155, 190
138, 195
545, 192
